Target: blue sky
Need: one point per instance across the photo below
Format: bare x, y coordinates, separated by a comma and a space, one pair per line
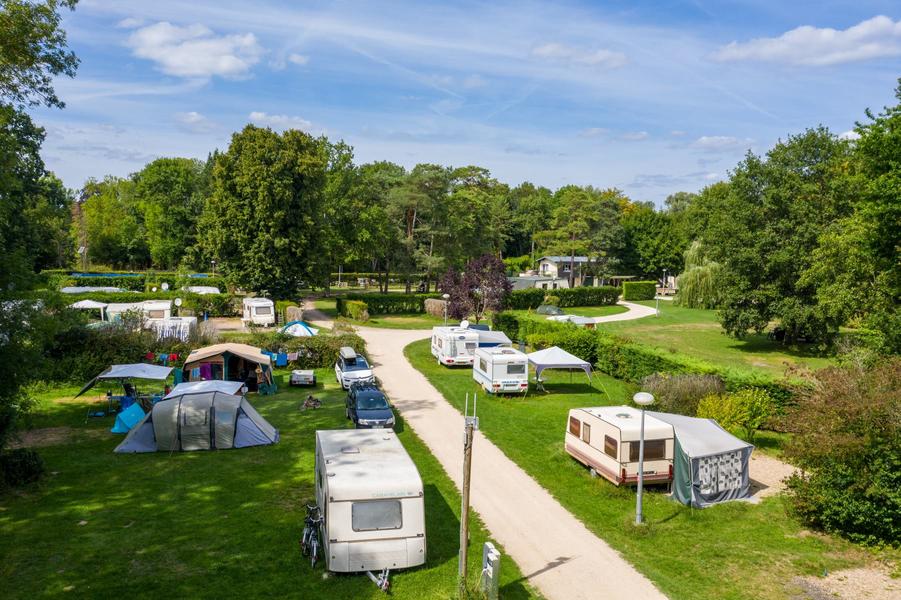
650, 97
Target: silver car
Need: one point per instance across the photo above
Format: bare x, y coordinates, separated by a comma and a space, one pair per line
352, 368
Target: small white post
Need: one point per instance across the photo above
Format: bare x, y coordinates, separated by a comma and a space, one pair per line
642, 399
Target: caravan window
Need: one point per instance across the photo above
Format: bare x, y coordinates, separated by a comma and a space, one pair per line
653, 450
482, 365
264, 310
610, 447
586, 433
574, 426
375, 515
470, 347
516, 369
156, 314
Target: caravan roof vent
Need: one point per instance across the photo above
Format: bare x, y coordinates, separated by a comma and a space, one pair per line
350, 450
624, 415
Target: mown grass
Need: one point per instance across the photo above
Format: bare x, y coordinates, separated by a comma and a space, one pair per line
730, 551
698, 333
402, 321
203, 524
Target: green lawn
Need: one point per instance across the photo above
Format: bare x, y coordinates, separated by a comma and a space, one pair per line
698, 333
734, 550
202, 524
404, 321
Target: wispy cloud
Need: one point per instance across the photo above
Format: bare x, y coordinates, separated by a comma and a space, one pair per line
298, 59
634, 136
280, 121
879, 37
194, 122
593, 132
602, 58
130, 23
721, 143
195, 51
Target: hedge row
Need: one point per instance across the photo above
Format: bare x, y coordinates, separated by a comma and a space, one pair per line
639, 290
215, 305
385, 304
631, 361
137, 282
580, 296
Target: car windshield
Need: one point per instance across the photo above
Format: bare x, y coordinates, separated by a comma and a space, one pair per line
358, 365
371, 402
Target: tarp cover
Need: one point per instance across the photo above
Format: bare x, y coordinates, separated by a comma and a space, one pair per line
199, 421
215, 385
557, 358
710, 465
132, 371
128, 418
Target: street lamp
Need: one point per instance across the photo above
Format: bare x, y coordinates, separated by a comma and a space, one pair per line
446, 297
642, 399
213, 263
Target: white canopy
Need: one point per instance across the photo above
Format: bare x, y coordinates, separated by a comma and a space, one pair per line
202, 289
557, 358
215, 385
88, 304
132, 371
88, 288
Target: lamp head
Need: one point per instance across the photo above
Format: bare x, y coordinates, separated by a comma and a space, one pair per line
643, 399
445, 296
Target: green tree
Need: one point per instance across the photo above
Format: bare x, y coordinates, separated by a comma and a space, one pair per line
111, 226
574, 220
50, 219
263, 220
169, 194
533, 209
651, 244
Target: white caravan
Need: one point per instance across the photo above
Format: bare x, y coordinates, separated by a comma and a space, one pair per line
606, 439
258, 311
152, 310
371, 499
454, 345
501, 370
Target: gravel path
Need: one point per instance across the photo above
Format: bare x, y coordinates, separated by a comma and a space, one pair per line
557, 553
636, 311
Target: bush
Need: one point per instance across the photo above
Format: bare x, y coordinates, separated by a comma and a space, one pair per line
314, 352
385, 304
681, 393
722, 408
848, 444
639, 290
20, 466
580, 296
746, 410
552, 300
357, 310
575, 340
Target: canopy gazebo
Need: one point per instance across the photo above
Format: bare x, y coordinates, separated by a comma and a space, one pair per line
557, 358
125, 375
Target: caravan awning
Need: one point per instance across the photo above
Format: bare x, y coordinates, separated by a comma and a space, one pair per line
132, 371
557, 358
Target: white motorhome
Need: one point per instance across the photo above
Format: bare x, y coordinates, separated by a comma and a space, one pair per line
501, 370
454, 345
258, 311
606, 439
371, 498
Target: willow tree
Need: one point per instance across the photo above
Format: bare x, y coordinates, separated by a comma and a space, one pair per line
699, 283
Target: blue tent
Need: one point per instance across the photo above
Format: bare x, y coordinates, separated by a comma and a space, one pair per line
128, 418
299, 329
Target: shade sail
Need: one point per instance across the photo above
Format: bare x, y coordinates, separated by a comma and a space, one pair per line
132, 371
215, 385
557, 358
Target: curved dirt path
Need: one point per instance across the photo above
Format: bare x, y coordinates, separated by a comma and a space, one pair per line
557, 553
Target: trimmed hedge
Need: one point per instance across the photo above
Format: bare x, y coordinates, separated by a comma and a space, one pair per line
639, 290
384, 304
215, 305
580, 296
357, 310
133, 281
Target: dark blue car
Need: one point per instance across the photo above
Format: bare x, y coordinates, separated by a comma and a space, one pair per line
368, 407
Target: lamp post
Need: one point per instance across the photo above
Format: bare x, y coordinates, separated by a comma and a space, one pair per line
213, 263
642, 399
445, 297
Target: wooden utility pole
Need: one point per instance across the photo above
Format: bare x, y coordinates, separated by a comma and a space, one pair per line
470, 424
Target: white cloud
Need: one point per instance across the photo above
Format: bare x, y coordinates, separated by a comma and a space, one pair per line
721, 143
635, 136
878, 37
849, 135
280, 121
195, 51
677, 133
298, 59
474, 81
606, 59
593, 132
194, 122
130, 23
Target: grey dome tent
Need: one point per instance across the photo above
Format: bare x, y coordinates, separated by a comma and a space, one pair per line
710, 465
209, 420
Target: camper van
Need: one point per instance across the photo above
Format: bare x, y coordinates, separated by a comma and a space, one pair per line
454, 345
258, 311
501, 370
606, 439
371, 499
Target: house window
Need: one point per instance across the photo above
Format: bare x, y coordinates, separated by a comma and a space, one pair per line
574, 426
586, 433
653, 450
555, 286
376, 515
516, 369
610, 447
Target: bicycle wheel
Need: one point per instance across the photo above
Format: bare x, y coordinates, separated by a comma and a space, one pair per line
314, 553
304, 545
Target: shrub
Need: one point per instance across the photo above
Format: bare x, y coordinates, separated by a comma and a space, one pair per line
755, 406
681, 393
552, 300
20, 466
575, 340
722, 408
639, 290
385, 304
357, 310
580, 296
848, 443
313, 352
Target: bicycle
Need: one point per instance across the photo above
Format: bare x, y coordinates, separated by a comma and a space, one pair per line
309, 541
311, 402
